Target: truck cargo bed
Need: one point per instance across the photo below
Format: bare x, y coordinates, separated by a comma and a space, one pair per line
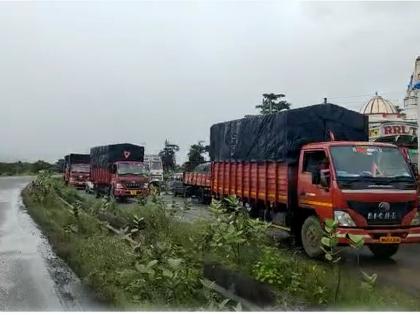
267, 182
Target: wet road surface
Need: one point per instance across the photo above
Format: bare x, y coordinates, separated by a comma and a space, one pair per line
401, 271
32, 277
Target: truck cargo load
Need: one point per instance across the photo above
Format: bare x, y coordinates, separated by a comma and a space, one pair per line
103, 156
279, 136
76, 158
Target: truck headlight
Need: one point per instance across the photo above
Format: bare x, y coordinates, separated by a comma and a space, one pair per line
146, 185
416, 219
119, 186
343, 218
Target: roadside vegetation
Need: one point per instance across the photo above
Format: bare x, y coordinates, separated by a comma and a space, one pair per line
144, 257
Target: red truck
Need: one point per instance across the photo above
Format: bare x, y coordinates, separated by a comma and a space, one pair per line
118, 170
291, 169
76, 169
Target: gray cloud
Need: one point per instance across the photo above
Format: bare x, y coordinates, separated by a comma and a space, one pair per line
74, 74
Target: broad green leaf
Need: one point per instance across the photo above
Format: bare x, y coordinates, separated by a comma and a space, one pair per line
355, 238
152, 263
328, 257
167, 273
330, 223
238, 307
327, 229
174, 262
326, 241
141, 268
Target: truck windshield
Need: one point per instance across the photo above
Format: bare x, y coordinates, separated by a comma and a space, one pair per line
156, 166
131, 168
80, 168
369, 161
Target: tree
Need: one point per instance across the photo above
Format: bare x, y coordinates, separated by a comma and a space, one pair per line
273, 103
196, 155
168, 156
59, 166
40, 165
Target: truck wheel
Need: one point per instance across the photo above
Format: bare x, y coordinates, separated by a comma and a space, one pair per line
311, 234
383, 251
200, 195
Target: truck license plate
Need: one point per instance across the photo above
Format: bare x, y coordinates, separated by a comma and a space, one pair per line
133, 193
390, 239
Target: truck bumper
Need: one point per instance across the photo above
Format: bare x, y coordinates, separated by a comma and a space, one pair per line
373, 236
131, 192
77, 184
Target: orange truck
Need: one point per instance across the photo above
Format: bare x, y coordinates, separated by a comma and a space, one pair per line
299, 167
197, 182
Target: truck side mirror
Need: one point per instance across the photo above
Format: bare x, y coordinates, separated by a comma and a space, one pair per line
325, 178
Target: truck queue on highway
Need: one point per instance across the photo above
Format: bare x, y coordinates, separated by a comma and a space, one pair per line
295, 169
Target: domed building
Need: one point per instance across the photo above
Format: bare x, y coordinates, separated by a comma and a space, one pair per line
378, 106
389, 123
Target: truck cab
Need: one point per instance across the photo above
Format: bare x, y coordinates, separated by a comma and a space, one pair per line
154, 165
78, 174
368, 188
129, 179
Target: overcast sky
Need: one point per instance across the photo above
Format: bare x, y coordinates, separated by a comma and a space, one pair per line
75, 75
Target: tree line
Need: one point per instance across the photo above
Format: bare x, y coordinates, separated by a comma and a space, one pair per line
25, 168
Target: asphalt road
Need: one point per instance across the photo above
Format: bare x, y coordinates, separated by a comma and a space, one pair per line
32, 278
402, 270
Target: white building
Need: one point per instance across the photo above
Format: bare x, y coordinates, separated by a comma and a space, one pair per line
389, 124
412, 98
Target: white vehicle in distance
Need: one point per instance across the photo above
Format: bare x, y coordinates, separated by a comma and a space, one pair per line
153, 163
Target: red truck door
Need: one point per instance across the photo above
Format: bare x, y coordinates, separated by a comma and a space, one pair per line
311, 194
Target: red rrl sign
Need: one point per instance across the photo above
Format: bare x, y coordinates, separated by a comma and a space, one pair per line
399, 130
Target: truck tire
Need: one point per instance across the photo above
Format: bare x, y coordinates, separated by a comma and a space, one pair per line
311, 234
200, 195
383, 251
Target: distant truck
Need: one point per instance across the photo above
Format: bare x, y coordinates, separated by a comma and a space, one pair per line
118, 170
299, 167
153, 163
198, 182
76, 169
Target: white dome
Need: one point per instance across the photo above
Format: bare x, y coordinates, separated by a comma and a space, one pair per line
378, 105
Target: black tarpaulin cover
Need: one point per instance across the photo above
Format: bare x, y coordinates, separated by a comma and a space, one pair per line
76, 158
103, 156
279, 136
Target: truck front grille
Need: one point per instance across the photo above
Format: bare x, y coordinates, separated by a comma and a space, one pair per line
376, 213
132, 185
